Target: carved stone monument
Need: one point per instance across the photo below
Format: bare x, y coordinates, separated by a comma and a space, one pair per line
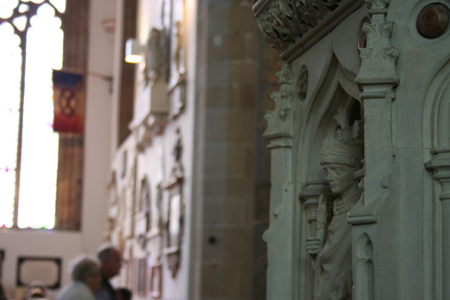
366, 82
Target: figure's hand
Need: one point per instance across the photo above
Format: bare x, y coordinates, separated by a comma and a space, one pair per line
313, 245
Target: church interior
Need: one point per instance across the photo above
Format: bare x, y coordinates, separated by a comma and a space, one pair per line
168, 161
225, 149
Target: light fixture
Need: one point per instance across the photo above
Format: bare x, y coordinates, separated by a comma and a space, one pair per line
133, 51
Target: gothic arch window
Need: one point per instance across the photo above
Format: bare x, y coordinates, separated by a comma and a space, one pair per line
32, 46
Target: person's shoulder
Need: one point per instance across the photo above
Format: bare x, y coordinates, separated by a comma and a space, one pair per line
102, 294
75, 291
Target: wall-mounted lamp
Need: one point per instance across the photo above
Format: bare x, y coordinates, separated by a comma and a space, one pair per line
133, 51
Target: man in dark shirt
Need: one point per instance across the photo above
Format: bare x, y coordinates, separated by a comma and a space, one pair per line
110, 264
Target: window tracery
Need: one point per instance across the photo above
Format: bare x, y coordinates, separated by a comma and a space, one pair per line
32, 45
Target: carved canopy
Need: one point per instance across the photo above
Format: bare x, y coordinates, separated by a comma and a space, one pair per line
295, 24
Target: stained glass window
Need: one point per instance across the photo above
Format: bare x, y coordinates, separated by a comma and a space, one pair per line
32, 46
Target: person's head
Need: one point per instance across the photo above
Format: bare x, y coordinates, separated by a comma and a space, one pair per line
123, 294
110, 260
86, 269
340, 162
36, 290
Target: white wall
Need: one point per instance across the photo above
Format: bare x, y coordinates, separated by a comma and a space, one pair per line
149, 162
66, 245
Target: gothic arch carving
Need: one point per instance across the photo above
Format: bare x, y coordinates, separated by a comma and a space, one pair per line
436, 111
365, 273
326, 111
334, 108
436, 141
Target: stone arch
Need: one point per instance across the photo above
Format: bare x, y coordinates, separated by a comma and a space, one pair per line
436, 111
436, 143
333, 104
365, 273
337, 102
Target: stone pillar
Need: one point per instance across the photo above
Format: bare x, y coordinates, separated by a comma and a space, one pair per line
225, 127
378, 79
268, 64
281, 231
440, 166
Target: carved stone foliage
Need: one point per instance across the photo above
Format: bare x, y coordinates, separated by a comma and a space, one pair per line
378, 79
378, 58
282, 22
280, 120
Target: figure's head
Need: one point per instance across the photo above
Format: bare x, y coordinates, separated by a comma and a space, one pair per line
340, 177
110, 260
340, 161
86, 269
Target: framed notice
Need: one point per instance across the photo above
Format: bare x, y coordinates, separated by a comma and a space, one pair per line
43, 269
142, 277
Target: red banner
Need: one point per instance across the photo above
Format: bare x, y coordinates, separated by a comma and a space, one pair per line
68, 99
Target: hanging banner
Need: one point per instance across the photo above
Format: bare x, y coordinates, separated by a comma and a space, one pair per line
68, 99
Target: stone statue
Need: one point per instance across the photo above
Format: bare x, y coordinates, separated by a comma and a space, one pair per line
331, 248
178, 55
155, 64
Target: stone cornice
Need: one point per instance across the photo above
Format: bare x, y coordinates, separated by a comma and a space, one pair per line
296, 25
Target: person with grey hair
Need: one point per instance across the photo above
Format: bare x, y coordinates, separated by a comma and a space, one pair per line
110, 264
85, 273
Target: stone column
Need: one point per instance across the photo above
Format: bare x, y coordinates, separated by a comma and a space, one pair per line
378, 79
440, 165
280, 234
310, 198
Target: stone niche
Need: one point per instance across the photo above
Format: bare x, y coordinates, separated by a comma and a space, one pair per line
360, 147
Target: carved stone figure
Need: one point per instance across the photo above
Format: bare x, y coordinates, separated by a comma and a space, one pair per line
341, 158
178, 55
155, 64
